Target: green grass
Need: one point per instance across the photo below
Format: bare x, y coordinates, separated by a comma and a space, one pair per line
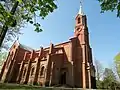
9, 86
21, 87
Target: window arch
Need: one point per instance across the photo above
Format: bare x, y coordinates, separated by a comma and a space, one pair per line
78, 20
42, 71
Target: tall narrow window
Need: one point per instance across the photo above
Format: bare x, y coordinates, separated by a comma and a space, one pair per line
9, 59
78, 20
42, 71
32, 71
24, 72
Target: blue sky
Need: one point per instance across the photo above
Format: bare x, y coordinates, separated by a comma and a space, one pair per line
59, 26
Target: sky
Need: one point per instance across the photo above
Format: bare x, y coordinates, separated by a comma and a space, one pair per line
104, 29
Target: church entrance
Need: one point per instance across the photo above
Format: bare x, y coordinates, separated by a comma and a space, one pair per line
62, 80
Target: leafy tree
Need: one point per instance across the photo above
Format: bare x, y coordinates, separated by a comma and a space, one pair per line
110, 5
12, 31
117, 64
27, 11
3, 56
108, 73
109, 80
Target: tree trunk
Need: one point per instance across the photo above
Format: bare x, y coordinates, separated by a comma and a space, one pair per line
5, 27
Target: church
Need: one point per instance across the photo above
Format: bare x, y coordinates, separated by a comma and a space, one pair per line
69, 63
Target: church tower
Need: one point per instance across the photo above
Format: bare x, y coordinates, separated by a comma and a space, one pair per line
82, 54
81, 29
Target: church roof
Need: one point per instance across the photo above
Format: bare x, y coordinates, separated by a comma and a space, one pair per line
25, 47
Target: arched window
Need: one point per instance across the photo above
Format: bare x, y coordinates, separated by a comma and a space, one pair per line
9, 59
42, 71
78, 20
32, 71
78, 29
24, 72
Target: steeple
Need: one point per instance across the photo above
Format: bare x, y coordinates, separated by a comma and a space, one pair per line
81, 30
81, 9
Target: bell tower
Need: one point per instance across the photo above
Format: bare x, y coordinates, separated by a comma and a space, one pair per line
81, 29
82, 53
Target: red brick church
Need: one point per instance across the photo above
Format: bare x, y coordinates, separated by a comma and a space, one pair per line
69, 63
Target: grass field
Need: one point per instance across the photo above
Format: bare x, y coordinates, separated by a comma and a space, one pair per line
21, 87
6, 86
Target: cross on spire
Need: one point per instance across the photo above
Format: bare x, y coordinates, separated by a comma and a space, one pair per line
81, 8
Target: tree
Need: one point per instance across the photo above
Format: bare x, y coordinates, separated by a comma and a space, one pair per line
117, 64
99, 70
110, 5
108, 73
3, 56
99, 73
29, 10
109, 79
12, 32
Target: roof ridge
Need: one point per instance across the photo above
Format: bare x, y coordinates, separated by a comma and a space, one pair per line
26, 47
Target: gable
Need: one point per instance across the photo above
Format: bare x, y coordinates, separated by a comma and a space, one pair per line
15, 45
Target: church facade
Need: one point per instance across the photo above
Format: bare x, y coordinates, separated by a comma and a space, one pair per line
69, 63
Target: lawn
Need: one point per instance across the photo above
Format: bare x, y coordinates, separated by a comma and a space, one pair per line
9, 86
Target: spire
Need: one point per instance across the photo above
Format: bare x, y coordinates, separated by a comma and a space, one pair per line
81, 9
